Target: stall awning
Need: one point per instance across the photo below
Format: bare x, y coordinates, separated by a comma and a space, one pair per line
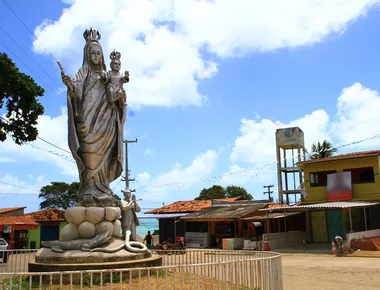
324, 205
162, 216
232, 212
271, 216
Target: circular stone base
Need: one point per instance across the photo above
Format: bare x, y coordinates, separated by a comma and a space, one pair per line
153, 260
77, 257
74, 260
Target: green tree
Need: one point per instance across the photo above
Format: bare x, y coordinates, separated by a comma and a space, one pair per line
322, 150
217, 191
214, 192
62, 195
19, 95
235, 191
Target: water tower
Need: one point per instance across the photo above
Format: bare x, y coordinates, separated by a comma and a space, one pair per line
290, 149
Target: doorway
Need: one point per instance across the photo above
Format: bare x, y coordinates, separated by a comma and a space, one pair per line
335, 223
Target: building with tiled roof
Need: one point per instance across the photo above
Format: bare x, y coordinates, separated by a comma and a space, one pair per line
188, 206
351, 155
14, 226
50, 223
48, 215
169, 222
17, 222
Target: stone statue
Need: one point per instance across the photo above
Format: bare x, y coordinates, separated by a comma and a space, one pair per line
115, 81
129, 220
96, 114
95, 120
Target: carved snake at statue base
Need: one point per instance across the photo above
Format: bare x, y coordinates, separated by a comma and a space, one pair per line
130, 246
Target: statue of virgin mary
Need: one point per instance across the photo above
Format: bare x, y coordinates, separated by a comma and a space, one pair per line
95, 132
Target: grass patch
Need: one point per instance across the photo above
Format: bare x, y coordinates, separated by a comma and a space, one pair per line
157, 279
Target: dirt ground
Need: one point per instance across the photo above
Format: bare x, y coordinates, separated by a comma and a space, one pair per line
319, 271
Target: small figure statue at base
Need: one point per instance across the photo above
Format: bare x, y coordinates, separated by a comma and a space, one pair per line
129, 208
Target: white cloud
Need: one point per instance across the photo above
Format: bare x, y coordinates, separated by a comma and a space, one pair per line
156, 188
256, 145
51, 129
69, 2
356, 119
148, 151
143, 178
12, 184
163, 42
242, 176
358, 115
4, 159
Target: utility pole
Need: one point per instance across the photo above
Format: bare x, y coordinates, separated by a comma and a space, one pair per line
269, 192
127, 179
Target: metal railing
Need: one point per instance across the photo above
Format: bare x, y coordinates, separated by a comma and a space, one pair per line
190, 269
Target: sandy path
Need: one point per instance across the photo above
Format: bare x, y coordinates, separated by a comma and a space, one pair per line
330, 272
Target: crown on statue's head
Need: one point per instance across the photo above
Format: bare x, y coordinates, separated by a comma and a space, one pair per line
91, 34
115, 55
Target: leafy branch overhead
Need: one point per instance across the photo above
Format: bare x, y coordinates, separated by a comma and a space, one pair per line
218, 191
20, 97
62, 195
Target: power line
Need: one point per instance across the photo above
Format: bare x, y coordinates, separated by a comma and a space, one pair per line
27, 28
32, 59
43, 140
248, 171
22, 187
36, 75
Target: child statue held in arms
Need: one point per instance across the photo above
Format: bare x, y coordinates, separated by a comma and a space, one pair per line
115, 81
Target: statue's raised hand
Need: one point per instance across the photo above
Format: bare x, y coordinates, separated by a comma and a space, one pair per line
66, 80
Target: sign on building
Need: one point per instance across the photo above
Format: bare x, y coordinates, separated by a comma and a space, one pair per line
339, 186
289, 137
7, 229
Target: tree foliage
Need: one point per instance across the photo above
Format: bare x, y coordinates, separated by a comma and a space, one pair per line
235, 191
214, 192
61, 195
322, 150
20, 97
217, 191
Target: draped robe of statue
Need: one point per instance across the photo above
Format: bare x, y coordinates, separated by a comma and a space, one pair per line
95, 132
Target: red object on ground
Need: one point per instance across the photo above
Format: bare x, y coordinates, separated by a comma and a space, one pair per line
333, 247
266, 244
180, 239
369, 244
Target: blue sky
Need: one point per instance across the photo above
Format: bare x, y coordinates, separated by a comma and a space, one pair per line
210, 83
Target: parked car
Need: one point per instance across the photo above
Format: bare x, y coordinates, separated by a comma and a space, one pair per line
3, 250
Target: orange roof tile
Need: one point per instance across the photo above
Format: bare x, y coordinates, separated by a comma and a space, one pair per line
48, 215
10, 209
188, 206
343, 156
17, 220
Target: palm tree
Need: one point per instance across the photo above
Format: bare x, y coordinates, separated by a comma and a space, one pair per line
322, 150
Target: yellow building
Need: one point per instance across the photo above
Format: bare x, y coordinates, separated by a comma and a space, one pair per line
355, 209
